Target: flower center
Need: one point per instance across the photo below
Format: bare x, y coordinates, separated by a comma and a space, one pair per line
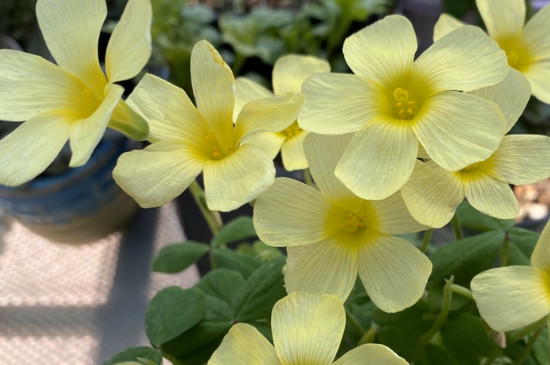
355, 220
405, 108
86, 105
216, 151
292, 130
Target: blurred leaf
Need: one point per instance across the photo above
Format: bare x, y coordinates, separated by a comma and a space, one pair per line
473, 219
222, 284
173, 311
229, 259
238, 229
466, 339
260, 292
178, 257
516, 256
523, 239
466, 258
133, 353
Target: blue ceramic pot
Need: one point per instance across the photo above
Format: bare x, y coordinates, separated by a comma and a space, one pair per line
80, 205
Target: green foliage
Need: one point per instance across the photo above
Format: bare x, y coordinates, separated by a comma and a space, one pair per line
178, 257
239, 229
137, 355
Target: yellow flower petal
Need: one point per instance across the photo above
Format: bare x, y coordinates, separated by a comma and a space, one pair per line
271, 114
393, 271
522, 159
307, 328
491, 196
290, 213
86, 133
247, 90
213, 87
511, 297
323, 154
327, 266
269, 142
504, 19
535, 34
292, 152
459, 129
465, 59
372, 354
29, 150
129, 122
538, 74
393, 216
445, 25
290, 71
129, 47
238, 178
157, 174
71, 30
168, 110
432, 194
336, 97
379, 159
382, 50
244, 345
540, 258
511, 95
30, 85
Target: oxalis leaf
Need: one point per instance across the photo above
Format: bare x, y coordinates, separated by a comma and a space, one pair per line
178, 257
173, 311
136, 355
238, 229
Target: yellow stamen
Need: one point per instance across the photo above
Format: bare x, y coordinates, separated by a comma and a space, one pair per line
405, 108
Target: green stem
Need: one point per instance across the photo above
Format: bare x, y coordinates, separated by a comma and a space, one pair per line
307, 177
527, 349
535, 326
465, 292
457, 230
355, 323
369, 336
441, 318
426, 240
212, 218
504, 251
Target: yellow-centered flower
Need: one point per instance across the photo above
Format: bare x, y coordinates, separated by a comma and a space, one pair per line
393, 103
433, 193
527, 46
332, 235
289, 72
307, 329
73, 100
188, 140
515, 296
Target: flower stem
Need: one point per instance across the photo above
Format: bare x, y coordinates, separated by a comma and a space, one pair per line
355, 323
535, 326
212, 218
465, 292
504, 251
426, 240
441, 318
528, 347
457, 230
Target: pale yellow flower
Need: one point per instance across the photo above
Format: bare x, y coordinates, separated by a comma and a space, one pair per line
289, 72
395, 103
188, 140
307, 329
332, 235
73, 100
515, 296
527, 46
433, 193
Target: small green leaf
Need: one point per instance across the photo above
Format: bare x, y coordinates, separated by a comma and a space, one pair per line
467, 332
471, 218
173, 311
466, 258
222, 283
524, 239
238, 229
260, 292
136, 353
516, 256
178, 257
243, 263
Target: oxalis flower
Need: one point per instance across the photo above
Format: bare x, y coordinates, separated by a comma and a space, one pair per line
515, 296
393, 104
333, 235
73, 100
527, 46
307, 329
289, 72
188, 140
433, 193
